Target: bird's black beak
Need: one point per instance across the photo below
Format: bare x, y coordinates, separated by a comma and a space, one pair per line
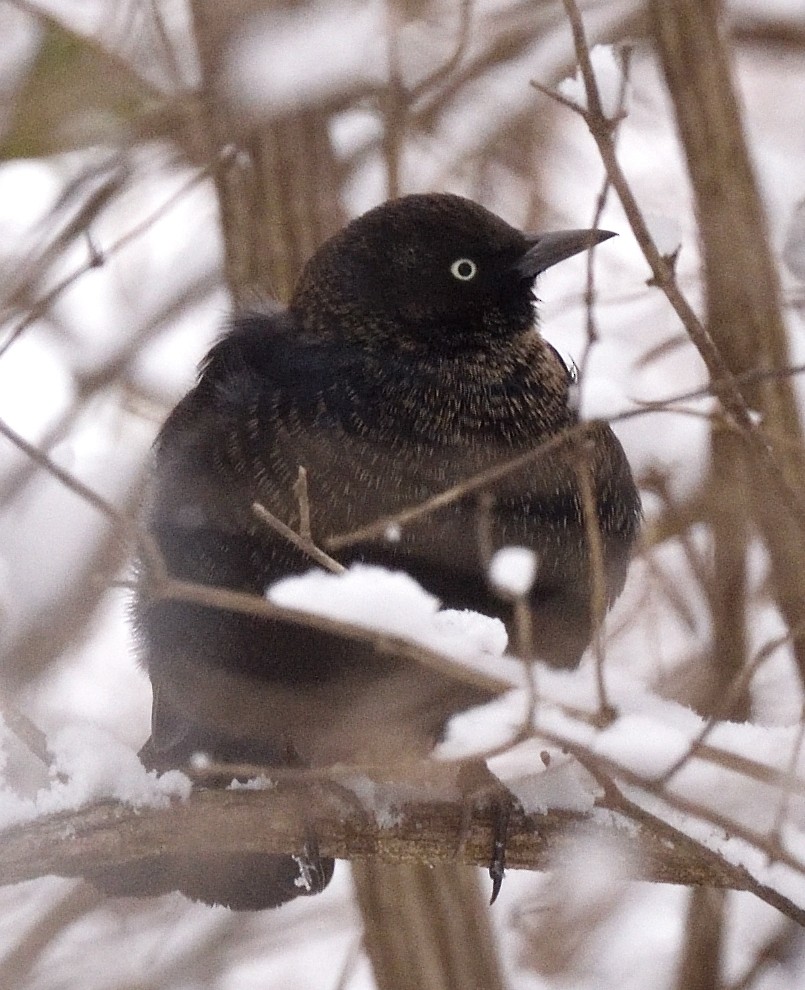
545, 250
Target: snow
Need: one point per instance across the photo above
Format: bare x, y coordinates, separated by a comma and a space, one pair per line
96, 766
392, 602
384, 802
608, 73
285, 60
393, 533
561, 785
610, 933
513, 570
259, 783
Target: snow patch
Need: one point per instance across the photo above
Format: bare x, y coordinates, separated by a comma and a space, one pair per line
258, 783
608, 73
513, 570
392, 602
91, 765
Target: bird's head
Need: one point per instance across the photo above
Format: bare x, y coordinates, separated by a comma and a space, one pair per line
432, 269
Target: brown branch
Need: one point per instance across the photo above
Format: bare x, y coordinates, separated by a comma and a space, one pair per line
615, 799
300, 490
597, 580
217, 822
723, 381
741, 283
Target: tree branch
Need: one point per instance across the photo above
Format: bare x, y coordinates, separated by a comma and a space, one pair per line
218, 822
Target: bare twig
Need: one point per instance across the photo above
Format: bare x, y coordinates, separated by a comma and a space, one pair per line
307, 546
725, 706
600, 203
99, 257
303, 498
478, 481
778, 947
597, 589
434, 80
789, 783
68, 480
129, 529
24, 729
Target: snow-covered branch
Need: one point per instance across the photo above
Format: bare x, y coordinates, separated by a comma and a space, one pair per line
113, 837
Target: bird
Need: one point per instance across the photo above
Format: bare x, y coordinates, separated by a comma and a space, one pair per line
408, 361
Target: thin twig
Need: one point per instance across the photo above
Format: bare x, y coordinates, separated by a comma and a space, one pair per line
303, 499
148, 547
482, 479
597, 589
788, 783
307, 546
779, 946
724, 383
438, 76
677, 802
68, 480
30, 735
615, 799
97, 258
724, 707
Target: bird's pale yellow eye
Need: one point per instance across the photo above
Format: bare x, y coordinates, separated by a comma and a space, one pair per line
464, 269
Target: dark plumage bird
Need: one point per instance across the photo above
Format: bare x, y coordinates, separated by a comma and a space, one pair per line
407, 361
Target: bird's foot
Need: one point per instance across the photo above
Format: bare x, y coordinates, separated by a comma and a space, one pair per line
314, 872
481, 787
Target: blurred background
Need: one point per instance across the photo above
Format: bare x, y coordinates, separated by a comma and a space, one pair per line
165, 162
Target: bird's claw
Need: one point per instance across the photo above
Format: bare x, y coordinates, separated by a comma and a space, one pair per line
497, 863
496, 873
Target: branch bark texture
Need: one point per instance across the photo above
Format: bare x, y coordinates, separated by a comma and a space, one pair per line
109, 836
